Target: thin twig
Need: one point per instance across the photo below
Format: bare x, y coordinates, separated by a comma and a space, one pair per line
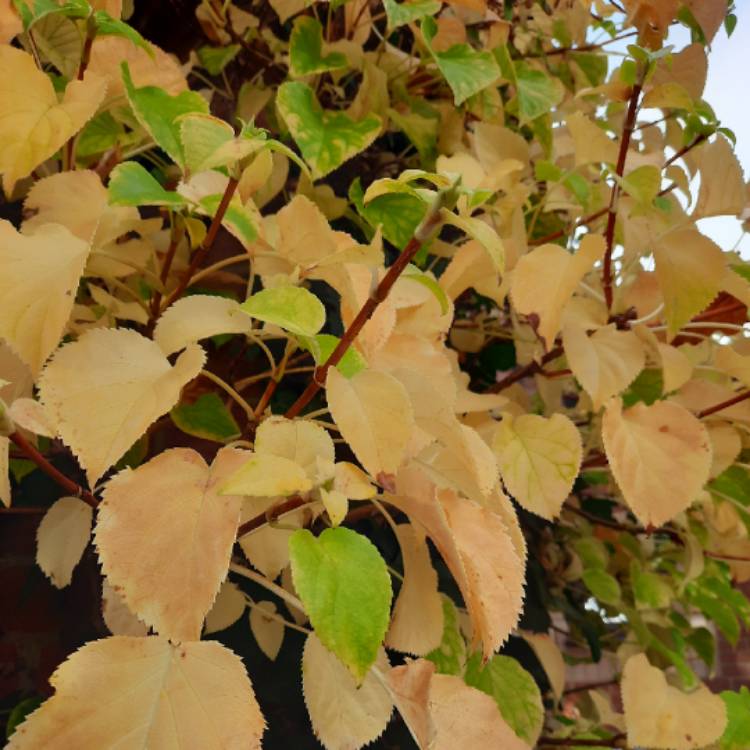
522, 372
429, 223
203, 250
723, 405
67, 484
609, 235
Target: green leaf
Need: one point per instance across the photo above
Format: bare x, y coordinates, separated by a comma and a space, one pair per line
398, 214
643, 184
647, 387
513, 689
737, 734
207, 418
592, 552
326, 139
202, 136
215, 59
421, 131
106, 25
238, 219
537, 92
466, 70
449, 656
344, 585
651, 591
321, 347
36, 10
158, 112
734, 483
130, 184
99, 135
602, 585
399, 14
306, 49
292, 308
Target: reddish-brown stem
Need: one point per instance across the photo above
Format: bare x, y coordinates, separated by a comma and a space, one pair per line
569, 230
615, 526
68, 484
22, 511
203, 250
263, 518
684, 150
723, 405
266, 397
591, 686
174, 242
372, 303
609, 235
616, 741
82, 66
522, 372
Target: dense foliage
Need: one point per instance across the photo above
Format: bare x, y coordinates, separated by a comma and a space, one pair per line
392, 357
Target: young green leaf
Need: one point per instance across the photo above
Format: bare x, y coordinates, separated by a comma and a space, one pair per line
132, 185
158, 112
306, 56
343, 582
327, 139
466, 70
292, 308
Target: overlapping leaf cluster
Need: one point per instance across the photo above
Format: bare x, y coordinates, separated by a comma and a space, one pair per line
433, 264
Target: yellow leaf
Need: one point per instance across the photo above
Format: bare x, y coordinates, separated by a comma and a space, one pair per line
373, 412
344, 716
550, 657
604, 363
545, 279
466, 717
268, 631
352, 482
690, 269
658, 715
78, 201
266, 475
116, 615
62, 537
10, 22
688, 68
726, 445
592, 144
159, 69
34, 125
105, 389
336, 504
37, 286
307, 444
660, 456
171, 585
197, 317
722, 188
227, 608
539, 460
32, 416
734, 363
410, 687
417, 622
478, 550
146, 692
